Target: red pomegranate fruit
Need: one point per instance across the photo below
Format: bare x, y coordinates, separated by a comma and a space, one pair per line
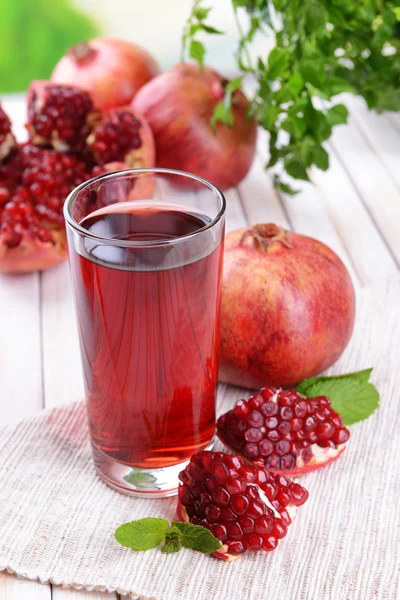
284, 431
179, 104
32, 235
245, 506
288, 307
111, 70
7, 139
59, 115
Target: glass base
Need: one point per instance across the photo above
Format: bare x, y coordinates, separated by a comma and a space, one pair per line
146, 483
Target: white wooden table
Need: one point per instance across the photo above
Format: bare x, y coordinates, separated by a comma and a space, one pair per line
354, 208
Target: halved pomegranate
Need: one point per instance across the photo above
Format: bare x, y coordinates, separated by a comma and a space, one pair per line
284, 431
32, 235
7, 139
59, 115
123, 140
245, 506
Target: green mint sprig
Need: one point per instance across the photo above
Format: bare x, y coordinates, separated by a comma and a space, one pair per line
352, 395
145, 534
321, 49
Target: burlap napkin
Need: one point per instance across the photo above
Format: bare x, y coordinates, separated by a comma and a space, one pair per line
57, 518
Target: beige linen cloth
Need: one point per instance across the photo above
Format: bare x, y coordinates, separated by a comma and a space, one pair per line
57, 517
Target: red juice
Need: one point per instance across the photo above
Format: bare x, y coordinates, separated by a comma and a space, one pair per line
148, 317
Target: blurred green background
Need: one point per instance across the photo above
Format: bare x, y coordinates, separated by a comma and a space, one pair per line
34, 34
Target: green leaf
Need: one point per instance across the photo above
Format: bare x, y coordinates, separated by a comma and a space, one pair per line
223, 114
197, 51
172, 541
211, 30
316, 16
287, 189
196, 537
351, 395
140, 479
234, 84
278, 61
313, 72
337, 114
142, 534
295, 125
396, 10
320, 157
201, 13
269, 116
296, 169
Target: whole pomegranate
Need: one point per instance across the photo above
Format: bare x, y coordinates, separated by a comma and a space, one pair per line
178, 104
288, 307
111, 70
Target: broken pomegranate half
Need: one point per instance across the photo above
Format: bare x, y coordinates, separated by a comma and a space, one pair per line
59, 115
245, 506
32, 235
7, 139
285, 431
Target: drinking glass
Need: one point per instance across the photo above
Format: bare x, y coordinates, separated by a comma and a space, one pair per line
145, 251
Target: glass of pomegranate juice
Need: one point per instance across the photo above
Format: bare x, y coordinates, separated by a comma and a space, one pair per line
145, 248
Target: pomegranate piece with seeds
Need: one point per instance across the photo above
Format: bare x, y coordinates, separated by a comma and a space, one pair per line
32, 234
59, 115
124, 137
245, 506
7, 139
285, 431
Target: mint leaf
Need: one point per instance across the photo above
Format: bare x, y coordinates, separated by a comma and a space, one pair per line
173, 541
140, 479
351, 395
196, 537
143, 534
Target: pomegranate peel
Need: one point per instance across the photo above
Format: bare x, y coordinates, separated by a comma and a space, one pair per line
284, 431
111, 70
245, 506
287, 310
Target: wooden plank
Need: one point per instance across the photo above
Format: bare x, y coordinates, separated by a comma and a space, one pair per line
307, 214
20, 347
378, 191
260, 201
62, 372
380, 133
368, 250
12, 588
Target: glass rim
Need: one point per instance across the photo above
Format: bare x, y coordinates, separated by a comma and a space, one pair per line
148, 243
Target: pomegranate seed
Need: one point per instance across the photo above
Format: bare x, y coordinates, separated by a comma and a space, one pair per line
269, 543
212, 512
236, 548
252, 541
220, 496
239, 504
234, 531
269, 409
